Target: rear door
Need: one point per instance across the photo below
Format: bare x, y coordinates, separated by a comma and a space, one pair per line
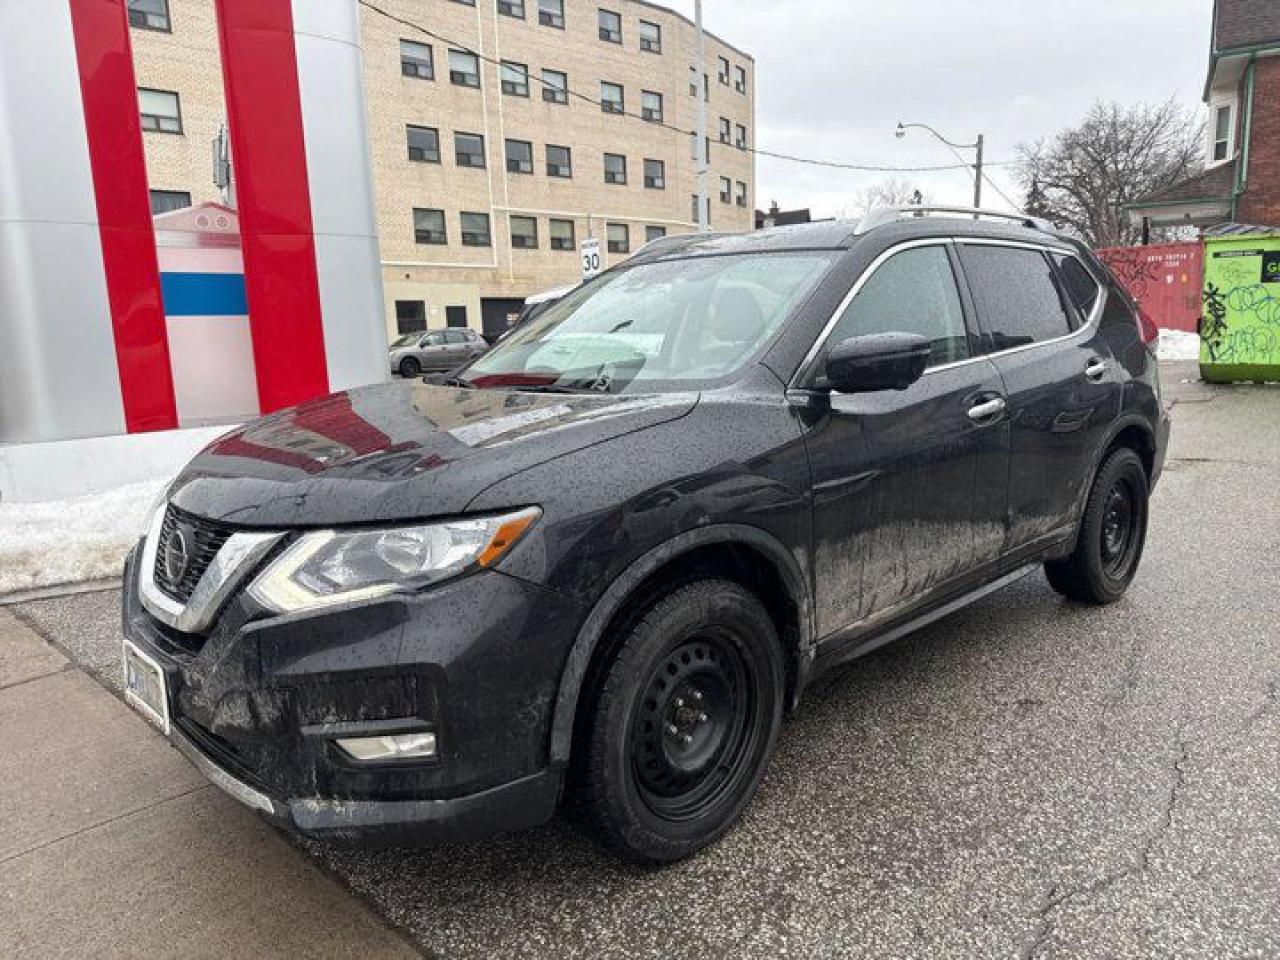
1038, 312
908, 485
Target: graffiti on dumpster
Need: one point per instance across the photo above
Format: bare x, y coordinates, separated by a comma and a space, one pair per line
1214, 325
1241, 319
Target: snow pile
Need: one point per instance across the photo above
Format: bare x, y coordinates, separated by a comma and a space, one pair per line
1178, 345
65, 541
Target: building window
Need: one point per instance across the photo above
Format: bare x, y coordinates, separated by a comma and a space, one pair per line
655, 175
468, 149
740, 141
464, 69
741, 199
475, 230
467, 3
740, 79
524, 233
612, 98
515, 79
161, 111
1221, 132
555, 86
416, 60
652, 233
722, 74
428, 226
650, 37
693, 81
562, 235
651, 106
615, 168
725, 129
424, 144
411, 316
559, 161
519, 156
726, 190
165, 201
610, 25
619, 237
511, 8
551, 13
149, 14
693, 209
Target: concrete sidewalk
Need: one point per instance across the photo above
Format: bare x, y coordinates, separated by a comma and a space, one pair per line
111, 845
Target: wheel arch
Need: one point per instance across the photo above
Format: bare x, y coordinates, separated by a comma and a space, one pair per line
1131, 430
755, 558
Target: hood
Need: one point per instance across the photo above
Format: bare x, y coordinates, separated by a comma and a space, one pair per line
398, 451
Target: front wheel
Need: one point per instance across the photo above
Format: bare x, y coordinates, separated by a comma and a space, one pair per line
1113, 531
682, 723
410, 368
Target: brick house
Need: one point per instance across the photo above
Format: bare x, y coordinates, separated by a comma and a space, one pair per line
1241, 179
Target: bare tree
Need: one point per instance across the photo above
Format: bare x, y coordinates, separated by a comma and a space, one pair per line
890, 192
1083, 177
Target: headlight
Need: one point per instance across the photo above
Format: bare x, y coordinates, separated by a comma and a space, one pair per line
334, 566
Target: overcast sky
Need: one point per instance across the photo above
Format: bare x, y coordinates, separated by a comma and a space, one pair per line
835, 76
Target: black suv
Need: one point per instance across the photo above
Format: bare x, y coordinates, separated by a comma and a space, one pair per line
598, 565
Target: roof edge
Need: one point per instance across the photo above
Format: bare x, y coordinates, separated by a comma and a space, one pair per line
676, 13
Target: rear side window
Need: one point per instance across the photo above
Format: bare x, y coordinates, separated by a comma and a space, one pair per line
1081, 286
1017, 295
912, 292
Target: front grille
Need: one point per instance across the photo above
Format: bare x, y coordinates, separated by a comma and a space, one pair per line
203, 540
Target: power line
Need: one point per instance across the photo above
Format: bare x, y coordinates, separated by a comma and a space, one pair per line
587, 98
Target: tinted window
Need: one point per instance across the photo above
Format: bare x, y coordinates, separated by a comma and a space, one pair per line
1081, 286
912, 292
1017, 295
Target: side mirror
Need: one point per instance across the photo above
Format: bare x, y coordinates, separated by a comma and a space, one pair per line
877, 361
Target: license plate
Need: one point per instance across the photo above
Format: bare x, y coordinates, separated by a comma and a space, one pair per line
144, 686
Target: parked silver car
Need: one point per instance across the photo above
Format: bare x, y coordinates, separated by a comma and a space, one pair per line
435, 350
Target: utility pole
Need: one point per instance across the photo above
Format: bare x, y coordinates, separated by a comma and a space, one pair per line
700, 149
901, 132
977, 175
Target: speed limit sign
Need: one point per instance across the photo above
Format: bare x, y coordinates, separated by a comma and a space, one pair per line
590, 257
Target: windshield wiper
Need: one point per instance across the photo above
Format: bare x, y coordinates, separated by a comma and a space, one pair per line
462, 382
551, 388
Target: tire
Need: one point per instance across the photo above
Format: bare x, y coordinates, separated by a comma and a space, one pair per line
680, 723
410, 367
1113, 531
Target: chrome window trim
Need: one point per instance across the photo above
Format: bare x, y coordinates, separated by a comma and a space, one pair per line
820, 341
236, 558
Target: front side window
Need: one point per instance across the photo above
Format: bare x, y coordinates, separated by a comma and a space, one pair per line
416, 60
651, 106
562, 235
559, 161
650, 37
164, 201
149, 14
424, 144
468, 149
475, 230
524, 233
511, 8
555, 86
655, 174
428, 226
655, 327
619, 238
515, 79
612, 98
464, 69
1016, 294
551, 13
160, 110
610, 26
912, 292
615, 168
519, 156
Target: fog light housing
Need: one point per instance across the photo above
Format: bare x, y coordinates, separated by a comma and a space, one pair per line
397, 746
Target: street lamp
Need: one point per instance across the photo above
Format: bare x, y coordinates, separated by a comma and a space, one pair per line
901, 132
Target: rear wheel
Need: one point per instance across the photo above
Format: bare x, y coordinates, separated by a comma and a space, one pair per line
1113, 531
410, 367
681, 723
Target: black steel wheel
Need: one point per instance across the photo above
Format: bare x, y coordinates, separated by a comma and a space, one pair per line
410, 367
1113, 531
682, 723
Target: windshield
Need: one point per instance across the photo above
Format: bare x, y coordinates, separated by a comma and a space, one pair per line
406, 340
656, 326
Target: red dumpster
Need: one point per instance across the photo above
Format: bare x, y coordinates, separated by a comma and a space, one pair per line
1165, 279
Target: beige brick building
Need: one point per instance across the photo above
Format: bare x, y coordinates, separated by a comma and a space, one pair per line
486, 180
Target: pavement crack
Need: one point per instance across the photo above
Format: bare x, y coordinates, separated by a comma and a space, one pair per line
1136, 863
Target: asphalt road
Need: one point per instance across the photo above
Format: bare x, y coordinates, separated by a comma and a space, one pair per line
1026, 778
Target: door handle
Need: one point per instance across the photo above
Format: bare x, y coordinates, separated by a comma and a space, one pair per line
1096, 370
990, 408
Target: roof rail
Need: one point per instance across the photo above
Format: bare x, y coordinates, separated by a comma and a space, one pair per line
882, 215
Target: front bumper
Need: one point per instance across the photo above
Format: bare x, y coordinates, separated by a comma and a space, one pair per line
256, 706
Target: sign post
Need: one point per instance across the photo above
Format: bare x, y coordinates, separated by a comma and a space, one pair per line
590, 258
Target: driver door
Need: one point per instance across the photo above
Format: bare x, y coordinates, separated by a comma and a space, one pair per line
909, 486
433, 351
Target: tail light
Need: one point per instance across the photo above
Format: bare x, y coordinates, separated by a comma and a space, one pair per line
1147, 328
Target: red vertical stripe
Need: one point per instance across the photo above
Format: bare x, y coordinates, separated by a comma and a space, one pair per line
114, 127
264, 111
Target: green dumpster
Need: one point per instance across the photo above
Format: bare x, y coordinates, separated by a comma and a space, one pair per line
1240, 325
